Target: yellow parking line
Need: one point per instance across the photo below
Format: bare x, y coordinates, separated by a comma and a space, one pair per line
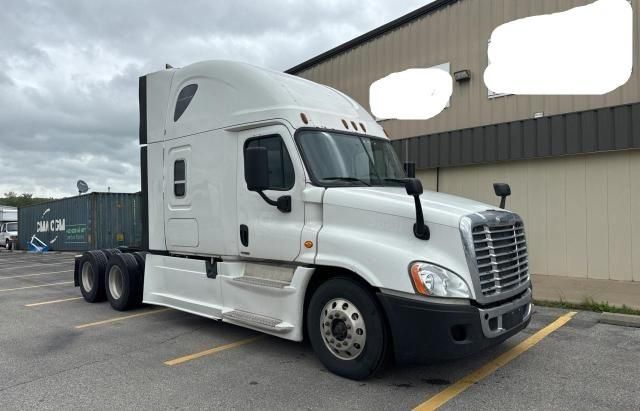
213, 350
449, 393
52, 302
36, 274
36, 286
125, 317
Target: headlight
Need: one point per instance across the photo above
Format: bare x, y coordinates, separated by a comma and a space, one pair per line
431, 280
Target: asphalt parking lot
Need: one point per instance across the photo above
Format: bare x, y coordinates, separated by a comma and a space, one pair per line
57, 351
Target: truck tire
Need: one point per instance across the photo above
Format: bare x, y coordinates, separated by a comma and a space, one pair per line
8, 245
91, 270
140, 257
110, 251
123, 282
347, 329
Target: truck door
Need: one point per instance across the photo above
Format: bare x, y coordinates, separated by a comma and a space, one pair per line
263, 231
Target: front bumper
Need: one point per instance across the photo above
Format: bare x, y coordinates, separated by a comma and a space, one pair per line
425, 331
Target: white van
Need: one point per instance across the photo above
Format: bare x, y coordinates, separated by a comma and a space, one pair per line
279, 205
8, 234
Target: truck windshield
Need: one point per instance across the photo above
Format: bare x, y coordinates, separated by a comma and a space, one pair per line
12, 227
337, 159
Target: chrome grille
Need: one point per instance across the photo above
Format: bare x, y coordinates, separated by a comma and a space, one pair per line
500, 256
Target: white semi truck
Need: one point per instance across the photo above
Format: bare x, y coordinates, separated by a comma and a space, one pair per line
278, 204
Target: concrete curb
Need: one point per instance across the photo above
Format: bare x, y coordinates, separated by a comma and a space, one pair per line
625, 320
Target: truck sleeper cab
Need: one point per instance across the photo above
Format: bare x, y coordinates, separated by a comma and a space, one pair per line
279, 205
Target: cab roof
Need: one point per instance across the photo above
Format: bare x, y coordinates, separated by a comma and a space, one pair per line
230, 94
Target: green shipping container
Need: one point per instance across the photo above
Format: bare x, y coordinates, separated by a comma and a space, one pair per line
87, 222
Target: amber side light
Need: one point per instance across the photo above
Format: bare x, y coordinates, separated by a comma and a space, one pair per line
304, 118
308, 244
417, 282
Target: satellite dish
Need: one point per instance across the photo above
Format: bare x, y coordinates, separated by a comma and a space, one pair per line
82, 187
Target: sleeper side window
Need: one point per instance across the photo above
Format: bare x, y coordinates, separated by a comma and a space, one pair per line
179, 178
184, 98
281, 174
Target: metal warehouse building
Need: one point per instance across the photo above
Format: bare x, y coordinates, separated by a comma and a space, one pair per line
573, 162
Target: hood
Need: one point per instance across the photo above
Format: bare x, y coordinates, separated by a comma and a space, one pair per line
438, 208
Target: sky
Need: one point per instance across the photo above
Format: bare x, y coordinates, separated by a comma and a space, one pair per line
69, 72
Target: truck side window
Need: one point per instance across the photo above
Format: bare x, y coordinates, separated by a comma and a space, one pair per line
179, 178
184, 98
281, 174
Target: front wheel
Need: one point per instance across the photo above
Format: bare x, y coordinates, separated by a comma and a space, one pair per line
347, 329
7, 245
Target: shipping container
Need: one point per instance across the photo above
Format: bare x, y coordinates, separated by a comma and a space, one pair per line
85, 222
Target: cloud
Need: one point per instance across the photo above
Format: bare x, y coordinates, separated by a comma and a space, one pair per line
69, 72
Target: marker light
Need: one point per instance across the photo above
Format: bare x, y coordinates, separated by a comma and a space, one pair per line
432, 280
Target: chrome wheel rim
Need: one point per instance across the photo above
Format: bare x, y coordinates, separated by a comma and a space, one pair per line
115, 282
87, 276
343, 329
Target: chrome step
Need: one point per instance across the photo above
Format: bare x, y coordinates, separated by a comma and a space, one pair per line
256, 320
263, 282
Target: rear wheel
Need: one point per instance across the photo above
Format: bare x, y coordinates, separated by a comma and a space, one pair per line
92, 267
110, 251
347, 329
123, 282
140, 257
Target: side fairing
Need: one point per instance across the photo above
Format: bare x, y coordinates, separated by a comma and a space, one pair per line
155, 197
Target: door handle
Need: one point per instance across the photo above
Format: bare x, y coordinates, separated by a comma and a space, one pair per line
244, 235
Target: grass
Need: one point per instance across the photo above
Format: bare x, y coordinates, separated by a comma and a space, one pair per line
588, 304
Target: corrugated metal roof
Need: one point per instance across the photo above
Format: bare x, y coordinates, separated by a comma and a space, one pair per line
422, 11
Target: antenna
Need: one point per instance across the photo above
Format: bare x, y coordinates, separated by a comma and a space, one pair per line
82, 187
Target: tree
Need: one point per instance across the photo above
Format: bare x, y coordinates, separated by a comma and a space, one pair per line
13, 199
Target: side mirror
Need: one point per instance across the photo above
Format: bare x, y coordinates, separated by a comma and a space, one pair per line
256, 168
256, 174
414, 188
410, 169
503, 191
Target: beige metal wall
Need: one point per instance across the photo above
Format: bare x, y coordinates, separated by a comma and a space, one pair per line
459, 34
581, 213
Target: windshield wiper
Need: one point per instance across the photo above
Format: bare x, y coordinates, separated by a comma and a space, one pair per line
351, 179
